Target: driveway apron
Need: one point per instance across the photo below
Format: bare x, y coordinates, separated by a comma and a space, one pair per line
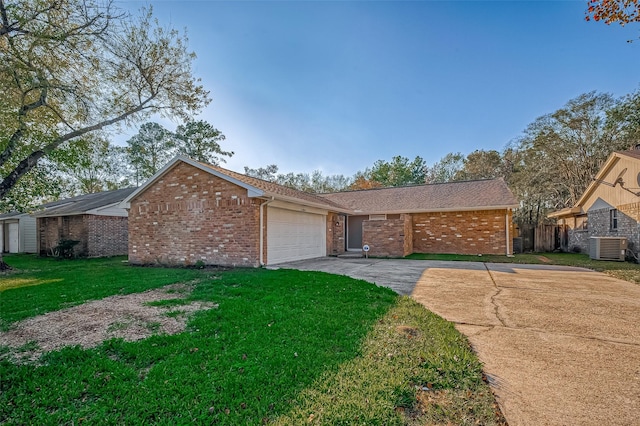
560, 345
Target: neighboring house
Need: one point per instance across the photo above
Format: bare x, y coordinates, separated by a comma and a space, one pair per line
193, 212
610, 206
17, 233
95, 220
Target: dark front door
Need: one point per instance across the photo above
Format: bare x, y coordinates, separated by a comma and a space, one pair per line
354, 232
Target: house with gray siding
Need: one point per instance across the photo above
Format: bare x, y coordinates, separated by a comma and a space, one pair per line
17, 233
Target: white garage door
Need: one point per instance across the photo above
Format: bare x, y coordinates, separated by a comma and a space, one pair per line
294, 235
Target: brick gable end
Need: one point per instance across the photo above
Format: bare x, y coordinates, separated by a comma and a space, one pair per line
189, 215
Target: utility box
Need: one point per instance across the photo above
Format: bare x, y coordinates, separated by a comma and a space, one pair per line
607, 248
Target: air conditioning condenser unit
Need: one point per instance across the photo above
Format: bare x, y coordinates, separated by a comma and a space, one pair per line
607, 248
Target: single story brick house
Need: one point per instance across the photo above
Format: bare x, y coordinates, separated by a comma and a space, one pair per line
96, 220
467, 217
191, 211
17, 233
609, 207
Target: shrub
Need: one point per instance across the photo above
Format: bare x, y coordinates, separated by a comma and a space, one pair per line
64, 249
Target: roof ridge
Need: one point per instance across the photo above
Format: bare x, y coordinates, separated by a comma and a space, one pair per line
414, 185
265, 184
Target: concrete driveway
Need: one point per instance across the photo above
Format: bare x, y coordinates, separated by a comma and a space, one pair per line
560, 345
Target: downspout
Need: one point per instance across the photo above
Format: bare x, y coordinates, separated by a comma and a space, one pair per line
506, 227
262, 230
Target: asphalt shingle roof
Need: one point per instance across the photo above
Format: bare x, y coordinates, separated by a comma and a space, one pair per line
466, 195
276, 189
635, 153
83, 203
10, 215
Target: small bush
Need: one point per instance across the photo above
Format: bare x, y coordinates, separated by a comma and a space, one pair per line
64, 249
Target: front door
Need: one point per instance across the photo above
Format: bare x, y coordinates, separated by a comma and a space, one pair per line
14, 229
354, 232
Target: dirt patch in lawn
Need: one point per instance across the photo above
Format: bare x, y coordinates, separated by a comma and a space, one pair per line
130, 317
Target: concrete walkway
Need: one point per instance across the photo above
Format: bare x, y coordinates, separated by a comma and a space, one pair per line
560, 345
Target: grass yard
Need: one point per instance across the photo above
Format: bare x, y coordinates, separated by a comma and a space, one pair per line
282, 347
624, 270
39, 285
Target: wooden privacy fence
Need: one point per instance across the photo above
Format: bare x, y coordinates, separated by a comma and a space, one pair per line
544, 238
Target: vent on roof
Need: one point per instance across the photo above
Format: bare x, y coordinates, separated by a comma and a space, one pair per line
607, 248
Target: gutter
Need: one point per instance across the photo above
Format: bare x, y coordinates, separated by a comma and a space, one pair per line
506, 223
262, 205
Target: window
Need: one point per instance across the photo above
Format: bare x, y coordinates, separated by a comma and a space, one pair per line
613, 219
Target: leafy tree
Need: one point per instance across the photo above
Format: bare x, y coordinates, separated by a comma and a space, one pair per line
446, 169
149, 150
268, 173
40, 185
625, 117
560, 153
201, 141
400, 171
362, 180
74, 67
481, 164
315, 182
613, 11
331, 183
92, 164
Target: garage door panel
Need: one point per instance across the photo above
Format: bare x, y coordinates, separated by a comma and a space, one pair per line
294, 235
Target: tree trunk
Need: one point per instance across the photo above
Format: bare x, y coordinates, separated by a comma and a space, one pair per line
3, 265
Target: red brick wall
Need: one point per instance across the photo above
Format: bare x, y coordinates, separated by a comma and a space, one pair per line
385, 238
335, 234
408, 234
107, 235
190, 215
52, 229
472, 232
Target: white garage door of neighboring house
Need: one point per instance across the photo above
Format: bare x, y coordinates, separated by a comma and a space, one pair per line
14, 245
293, 235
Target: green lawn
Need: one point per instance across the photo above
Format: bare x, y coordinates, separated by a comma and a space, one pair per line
39, 285
283, 347
623, 270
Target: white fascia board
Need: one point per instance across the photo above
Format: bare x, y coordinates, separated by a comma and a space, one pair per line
566, 212
280, 204
115, 210
606, 167
298, 201
251, 190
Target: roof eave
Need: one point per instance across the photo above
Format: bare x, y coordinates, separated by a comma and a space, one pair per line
566, 212
435, 210
606, 167
54, 213
303, 202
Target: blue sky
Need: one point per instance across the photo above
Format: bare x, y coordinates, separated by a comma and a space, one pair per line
337, 85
